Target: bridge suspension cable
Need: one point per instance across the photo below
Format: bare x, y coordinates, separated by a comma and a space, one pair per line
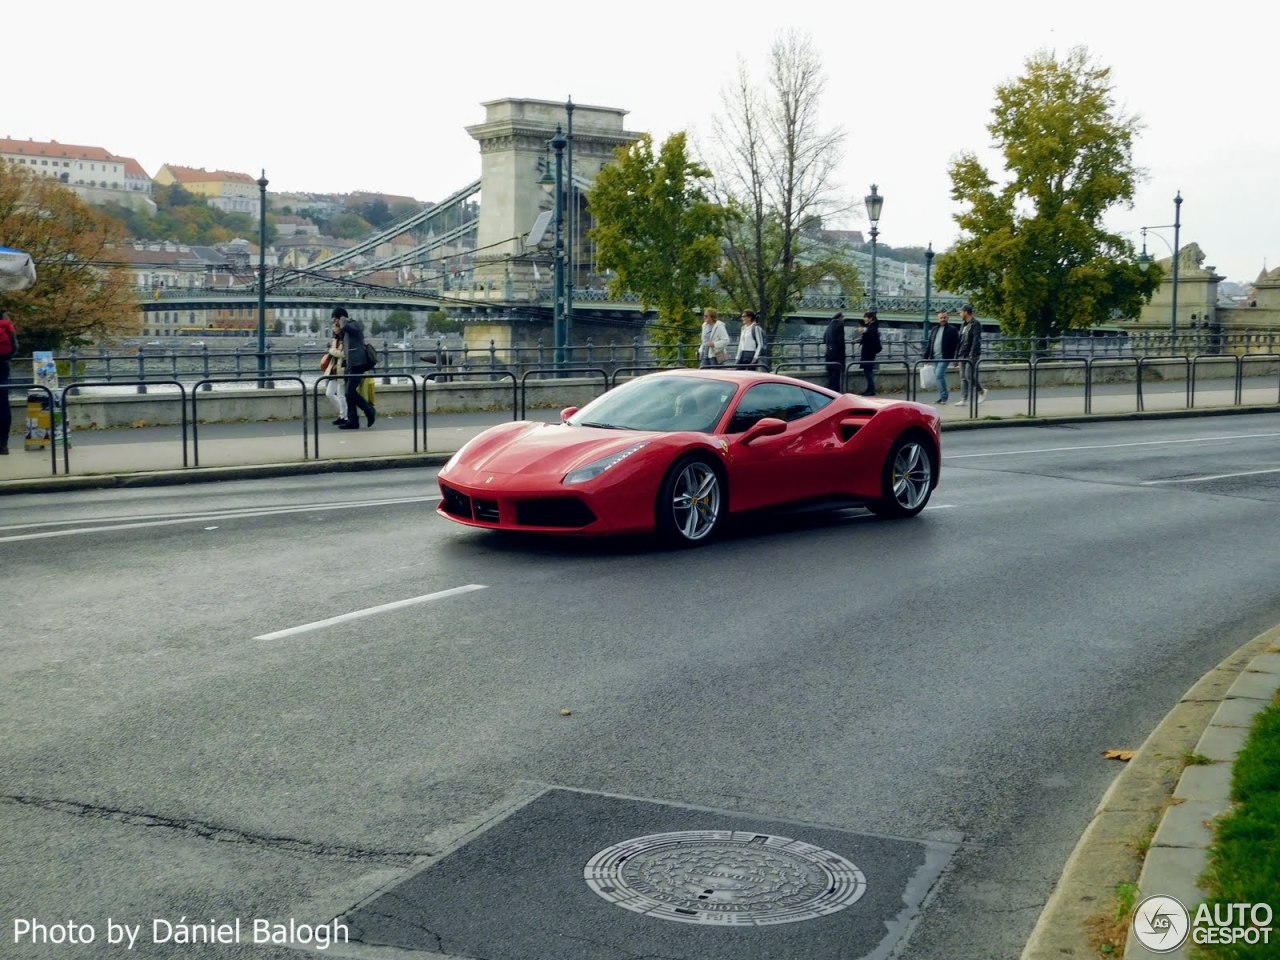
416, 220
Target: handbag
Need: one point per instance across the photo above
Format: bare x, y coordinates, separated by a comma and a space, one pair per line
928, 376
326, 361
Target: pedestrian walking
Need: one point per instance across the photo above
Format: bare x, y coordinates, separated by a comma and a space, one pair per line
356, 359
869, 348
715, 340
942, 349
833, 341
332, 364
750, 342
8, 347
968, 353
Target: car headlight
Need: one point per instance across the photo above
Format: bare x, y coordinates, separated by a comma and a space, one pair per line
593, 470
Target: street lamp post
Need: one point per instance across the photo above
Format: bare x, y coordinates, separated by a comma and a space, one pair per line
1144, 261
557, 143
573, 220
928, 270
874, 202
262, 279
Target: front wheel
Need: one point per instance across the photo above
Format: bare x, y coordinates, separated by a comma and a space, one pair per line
907, 480
690, 501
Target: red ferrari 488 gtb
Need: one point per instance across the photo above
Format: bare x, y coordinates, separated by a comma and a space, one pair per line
677, 451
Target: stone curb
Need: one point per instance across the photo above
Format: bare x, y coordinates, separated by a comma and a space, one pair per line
1132, 806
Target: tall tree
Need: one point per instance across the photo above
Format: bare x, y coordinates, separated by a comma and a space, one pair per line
657, 229
82, 292
774, 166
1034, 252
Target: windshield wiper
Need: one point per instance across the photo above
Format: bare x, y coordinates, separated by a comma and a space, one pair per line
603, 426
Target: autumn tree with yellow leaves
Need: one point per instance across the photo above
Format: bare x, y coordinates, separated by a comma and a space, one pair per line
82, 292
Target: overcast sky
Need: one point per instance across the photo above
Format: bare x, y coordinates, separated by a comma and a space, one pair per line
375, 95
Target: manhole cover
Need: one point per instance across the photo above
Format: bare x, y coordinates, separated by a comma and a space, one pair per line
724, 877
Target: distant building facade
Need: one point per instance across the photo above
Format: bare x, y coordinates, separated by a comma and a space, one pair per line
93, 173
224, 190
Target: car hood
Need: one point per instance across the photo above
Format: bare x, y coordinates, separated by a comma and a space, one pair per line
548, 448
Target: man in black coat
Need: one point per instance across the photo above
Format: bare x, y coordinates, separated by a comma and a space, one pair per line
944, 343
357, 362
870, 348
833, 340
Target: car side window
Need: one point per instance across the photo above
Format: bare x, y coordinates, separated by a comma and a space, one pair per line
780, 400
817, 400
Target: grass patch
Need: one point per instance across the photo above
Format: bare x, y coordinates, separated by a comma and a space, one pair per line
1192, 759
1107, 934
1244, 861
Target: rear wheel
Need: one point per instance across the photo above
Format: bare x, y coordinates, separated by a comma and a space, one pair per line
907, 479
690, 501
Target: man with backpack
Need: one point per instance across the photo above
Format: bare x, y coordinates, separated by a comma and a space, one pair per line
359, 360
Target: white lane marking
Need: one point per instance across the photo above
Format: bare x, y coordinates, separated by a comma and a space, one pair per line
231, 514
1215, 476
370, 611
1109, 446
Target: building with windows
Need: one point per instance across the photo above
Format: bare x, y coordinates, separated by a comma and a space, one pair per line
224, 190
95, 174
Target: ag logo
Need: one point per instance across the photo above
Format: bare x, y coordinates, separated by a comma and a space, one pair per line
1161, 924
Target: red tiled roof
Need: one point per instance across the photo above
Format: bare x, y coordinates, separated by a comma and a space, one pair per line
67, 151
201, 175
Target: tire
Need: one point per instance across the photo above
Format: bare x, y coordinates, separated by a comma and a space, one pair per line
691, 501
907, 479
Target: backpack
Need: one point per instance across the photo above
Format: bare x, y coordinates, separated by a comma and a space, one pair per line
370, 355
8, 344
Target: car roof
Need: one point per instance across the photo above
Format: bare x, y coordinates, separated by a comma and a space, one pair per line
737, 376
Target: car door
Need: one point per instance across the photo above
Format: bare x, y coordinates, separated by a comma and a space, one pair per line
782, 468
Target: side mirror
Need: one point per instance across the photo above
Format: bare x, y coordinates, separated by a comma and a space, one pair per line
566, 413
765, 427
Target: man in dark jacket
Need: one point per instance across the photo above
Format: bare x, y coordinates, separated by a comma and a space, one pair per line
969, 353
943, 346
357, 363
833, 340
870, 348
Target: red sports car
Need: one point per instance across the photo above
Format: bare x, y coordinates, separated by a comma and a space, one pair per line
675, 452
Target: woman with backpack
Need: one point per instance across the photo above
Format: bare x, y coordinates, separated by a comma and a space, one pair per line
750, 342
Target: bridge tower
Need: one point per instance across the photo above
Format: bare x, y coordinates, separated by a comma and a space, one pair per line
513, 152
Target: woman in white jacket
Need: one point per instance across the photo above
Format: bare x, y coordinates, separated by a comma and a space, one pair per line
715, 340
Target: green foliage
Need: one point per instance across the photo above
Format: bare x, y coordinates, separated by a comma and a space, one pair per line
1033, 252
1244, 861
658, 231
348, 226
185, 217
398, 322
439, 323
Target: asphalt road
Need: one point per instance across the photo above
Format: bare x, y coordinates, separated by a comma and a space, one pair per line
193, 724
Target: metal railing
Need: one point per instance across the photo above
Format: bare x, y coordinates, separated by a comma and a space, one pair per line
804, 360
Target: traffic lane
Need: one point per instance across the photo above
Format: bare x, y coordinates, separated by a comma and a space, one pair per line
1123, 451
579, 561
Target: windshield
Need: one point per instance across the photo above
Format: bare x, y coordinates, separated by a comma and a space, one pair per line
659, 403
